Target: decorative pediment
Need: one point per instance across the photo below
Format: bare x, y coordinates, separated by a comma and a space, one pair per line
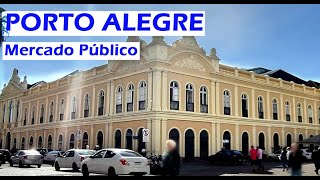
190, 63
128, 65
10, 88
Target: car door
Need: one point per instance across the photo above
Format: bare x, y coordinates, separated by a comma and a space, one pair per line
95, 163
108, 160
70, 158
62, 160
16, 157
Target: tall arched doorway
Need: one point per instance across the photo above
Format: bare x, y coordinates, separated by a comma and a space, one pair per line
129, 139
85, 140
100, 139
31, 143
8, 141
15, 143
261, 141
60, 142
71, 141
289, 140
276, 144
300, 139
175, 135
189, 145
226, 140
204, 144
1, 143
245, 143
49, 142
141, 144
22, 143
40, 142
117, 139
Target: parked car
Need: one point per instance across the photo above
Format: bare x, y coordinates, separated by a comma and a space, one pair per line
274, 156
6, 153
116, 162
227, 157
72, 159
44, 151
1, 158
26, 157
52, 156
306, 153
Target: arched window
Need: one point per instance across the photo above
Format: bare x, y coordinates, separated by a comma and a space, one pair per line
61, 109
142, 95
101, 103
74, 107
130, 98
299, 113
310, 113
227, 140
33, 114
119, 100
203, 99
60, 142
31, 143
260, 107
51, 112
226, 103
189, 98
244, 103
49, 142
174, 95
4, 113
319, 115
42, 114
10, 111
129, 139
275, 109
289, 140
22, 143
85, 140
71, 141
287, 105
25, 116
15, 143
86, 106
18, 108
40, 142
261, 141
117, 139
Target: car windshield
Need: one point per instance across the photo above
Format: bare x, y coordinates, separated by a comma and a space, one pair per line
129, 154
31, 152
86, 152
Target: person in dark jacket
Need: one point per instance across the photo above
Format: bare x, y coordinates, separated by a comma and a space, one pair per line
295, 160
171, 160
283, 158
316, 159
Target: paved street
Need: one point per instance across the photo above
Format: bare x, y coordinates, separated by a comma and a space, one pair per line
188, 169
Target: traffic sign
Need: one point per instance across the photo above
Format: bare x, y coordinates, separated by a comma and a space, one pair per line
145, 135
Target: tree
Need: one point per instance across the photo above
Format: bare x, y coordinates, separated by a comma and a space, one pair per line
2, 28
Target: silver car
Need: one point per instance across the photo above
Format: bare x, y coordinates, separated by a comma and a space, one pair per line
27, 157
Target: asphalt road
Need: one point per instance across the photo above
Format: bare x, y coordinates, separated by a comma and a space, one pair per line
187, 169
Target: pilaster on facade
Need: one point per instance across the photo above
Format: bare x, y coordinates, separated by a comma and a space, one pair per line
37, 115
315, 114
283, 137
237, 137
269, 145
110, 135
79, 105
254, 133
282, 112
212, 99
163, 134
217, 102
155, 132
91, 141
294, 110
212, 139
46, 111
57, 110
150, 93
306, 133
67, 107
55, 139
44, 138
106, 131
65, 138
93, 102
268, 106
296, 138
164, 89
253, 103
305, 118
219, 143
236, 100
149, 145
156, 99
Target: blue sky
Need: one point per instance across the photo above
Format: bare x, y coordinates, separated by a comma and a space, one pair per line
272, 36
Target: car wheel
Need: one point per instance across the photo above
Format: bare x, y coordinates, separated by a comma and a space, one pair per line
112, 172
10, 162
20, 164
84, 170
56, 166
39, 166
74, 167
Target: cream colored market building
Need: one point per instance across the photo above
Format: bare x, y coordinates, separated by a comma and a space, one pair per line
176, 91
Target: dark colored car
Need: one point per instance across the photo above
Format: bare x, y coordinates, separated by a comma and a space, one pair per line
1, 158
6, 154
227, 157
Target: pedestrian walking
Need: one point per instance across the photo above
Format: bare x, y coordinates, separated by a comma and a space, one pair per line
170, 159
295, 160
253, 158
284, 159
316, 159
260, 159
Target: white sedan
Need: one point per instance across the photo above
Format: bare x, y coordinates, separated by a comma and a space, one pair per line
72, 159
115, 162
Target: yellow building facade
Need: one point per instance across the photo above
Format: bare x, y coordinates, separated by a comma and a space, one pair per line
176, 91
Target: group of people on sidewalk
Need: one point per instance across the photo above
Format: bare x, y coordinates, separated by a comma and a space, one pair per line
256, 157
